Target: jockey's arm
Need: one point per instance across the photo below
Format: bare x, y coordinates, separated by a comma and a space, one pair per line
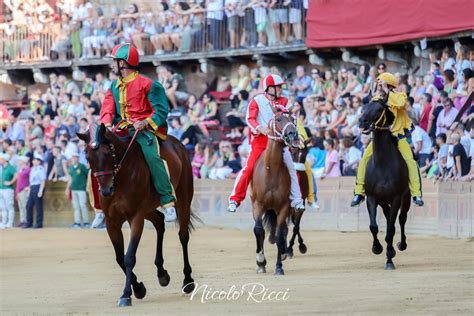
252, 114
107, 112
157, 98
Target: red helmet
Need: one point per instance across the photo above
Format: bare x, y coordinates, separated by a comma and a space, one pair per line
127, 52
272, 80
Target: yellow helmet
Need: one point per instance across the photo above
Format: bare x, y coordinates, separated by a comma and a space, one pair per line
390, 79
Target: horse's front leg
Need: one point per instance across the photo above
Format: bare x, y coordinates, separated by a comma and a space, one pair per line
114, 230
374, 228
280, 236
259, 232
157, 220
391, 219
136, 227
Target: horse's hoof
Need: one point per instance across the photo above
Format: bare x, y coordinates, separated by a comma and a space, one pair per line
377, 249
303, 248
283, 256
279, 271
261, 269
164, 280
289, 253
188, 287
271, 239
124, 301
402, 246
389, 266
139, 291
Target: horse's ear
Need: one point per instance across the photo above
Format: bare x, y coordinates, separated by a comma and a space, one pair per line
82, 136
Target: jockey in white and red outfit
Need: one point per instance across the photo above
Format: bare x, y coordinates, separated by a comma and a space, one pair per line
259, 114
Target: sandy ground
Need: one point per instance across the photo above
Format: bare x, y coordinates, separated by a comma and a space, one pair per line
62, 271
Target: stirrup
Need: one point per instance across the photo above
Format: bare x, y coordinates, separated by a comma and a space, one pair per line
357, 200
232, 207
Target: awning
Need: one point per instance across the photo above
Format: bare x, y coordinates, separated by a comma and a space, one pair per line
345, 23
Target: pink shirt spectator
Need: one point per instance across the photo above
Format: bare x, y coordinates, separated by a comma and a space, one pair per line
332, 157
23, 180
197, 163
445, 119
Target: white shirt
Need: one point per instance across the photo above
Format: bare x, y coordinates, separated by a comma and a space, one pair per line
81, 12
418, 135
450, 161
215, 9
353, 155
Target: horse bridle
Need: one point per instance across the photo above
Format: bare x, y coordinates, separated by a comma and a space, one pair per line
280, 136
383, 117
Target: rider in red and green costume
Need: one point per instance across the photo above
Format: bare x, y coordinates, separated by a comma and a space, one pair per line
137, 102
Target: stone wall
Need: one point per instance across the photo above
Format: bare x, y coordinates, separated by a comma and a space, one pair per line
448, 211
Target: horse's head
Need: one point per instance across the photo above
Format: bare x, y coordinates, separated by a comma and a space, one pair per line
283, 128
100, 152
375, 116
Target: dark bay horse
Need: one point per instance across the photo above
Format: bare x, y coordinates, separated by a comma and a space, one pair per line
127, 194
299, 157
271, 189
386, 178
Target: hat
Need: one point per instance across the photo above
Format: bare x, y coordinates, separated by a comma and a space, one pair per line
24, 158
390, 79
5, 156
38, 156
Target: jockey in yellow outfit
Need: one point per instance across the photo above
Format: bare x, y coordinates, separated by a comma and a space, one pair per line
401, 128
307, 168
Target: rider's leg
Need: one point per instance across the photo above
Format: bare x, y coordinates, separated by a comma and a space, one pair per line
309, 175
359, 191
295, 191
159, 174
413, 171
245, 175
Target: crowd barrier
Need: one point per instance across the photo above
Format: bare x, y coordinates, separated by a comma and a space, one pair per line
448, 210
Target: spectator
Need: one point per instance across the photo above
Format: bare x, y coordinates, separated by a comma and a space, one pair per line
215, 19
448, 81
418, 89
208, 114
447, 62
421, 143
249, 35
236, 116
62, 39
226, 164
198, 160
426, 109
174, 85
351, 156
233, 25
22, 180
296, 19
210, 160
331, 166
442, 154
279, 18
77, 184
36, 192
176, 129
446, 116
461, 162
59, 170
381, 68
8, 173
301, 85
317, 157
241, 83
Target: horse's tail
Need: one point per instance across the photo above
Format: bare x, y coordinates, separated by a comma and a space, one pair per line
193, 219
270, 220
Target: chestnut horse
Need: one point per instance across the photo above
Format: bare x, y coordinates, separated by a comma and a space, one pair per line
271, 189
127, 194
386, 184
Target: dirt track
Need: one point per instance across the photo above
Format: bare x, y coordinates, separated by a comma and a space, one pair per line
62, 271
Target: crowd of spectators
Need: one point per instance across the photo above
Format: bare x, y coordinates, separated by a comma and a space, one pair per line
79, 29
328, 102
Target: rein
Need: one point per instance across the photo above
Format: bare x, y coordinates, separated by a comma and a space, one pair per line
375, 125
117, 166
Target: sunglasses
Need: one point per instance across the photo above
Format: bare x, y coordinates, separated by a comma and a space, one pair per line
381, 68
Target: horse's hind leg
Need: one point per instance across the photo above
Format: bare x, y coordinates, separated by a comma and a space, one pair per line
391, 219
402, 245
374, 228
184, 217
259, 238
158, 221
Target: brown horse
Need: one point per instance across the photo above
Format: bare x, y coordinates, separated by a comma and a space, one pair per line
271, 189
127, 194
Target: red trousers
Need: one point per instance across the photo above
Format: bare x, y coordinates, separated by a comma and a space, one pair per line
259, 143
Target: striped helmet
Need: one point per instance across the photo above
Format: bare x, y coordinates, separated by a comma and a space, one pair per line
272, 80
127, 52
